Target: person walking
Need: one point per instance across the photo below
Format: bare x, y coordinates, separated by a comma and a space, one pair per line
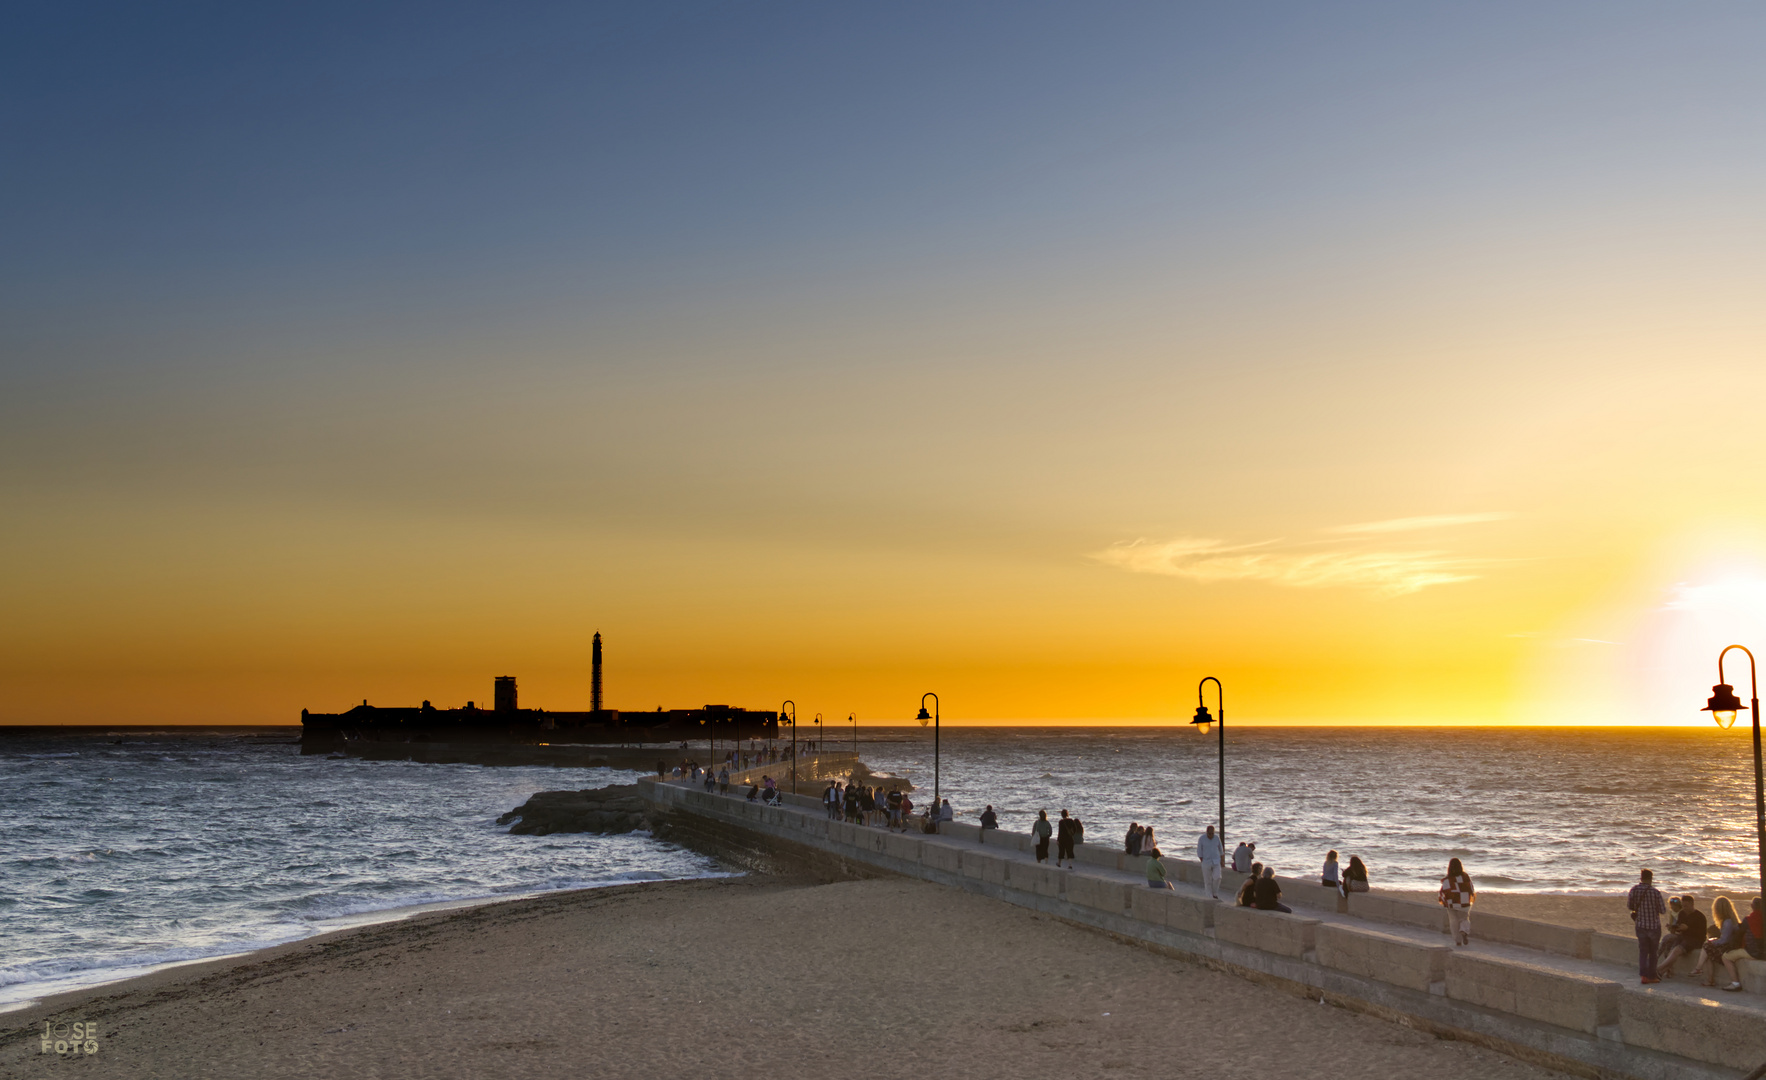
1456, 896
1208, 850
1646, 907
1042, 830
1064, 841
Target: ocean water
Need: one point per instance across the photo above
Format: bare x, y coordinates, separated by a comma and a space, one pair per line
1560, 810
121, 856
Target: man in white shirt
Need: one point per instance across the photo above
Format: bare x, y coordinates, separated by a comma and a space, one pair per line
1209, 852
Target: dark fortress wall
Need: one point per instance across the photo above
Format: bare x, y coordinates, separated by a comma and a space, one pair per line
322, 732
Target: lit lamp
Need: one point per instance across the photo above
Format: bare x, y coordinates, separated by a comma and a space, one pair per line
1723, 705
793, 722
1203, 723
932, 718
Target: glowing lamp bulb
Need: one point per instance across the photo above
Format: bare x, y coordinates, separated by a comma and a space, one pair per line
1723, 705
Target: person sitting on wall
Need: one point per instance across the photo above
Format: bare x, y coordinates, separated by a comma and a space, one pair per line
989, 819
753, 792
1156, 870
1248, 891
1355, 878
1268, 894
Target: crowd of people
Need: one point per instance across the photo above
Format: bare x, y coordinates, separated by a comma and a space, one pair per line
1721, 940
1716, 942
865, 804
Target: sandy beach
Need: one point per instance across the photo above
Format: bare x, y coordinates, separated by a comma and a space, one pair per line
758, 975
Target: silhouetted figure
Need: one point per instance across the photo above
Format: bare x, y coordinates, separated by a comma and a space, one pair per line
1064, 841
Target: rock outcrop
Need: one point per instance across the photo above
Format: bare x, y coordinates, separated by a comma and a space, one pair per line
616, 809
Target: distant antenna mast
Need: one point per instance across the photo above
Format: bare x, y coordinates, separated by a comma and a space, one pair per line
595, 675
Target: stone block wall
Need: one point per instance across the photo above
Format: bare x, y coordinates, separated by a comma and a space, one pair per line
1579, 1002
1267, 931
1701, 1030
1386, 957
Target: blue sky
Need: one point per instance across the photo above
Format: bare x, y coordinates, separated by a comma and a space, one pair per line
864, 310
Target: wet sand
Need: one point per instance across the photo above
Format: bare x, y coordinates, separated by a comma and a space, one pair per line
756, 976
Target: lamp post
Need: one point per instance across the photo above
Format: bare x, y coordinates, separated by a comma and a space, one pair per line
852, 718
1202, 723
1723, 706
933, 717
793, 705
818, 723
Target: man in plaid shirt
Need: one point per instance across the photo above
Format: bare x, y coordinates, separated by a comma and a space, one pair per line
1646, 910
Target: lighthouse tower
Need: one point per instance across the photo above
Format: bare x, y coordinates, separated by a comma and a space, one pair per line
595, 675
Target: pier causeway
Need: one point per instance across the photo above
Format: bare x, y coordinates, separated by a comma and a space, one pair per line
1559, 996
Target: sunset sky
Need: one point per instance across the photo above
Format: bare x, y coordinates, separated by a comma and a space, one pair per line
1394, 363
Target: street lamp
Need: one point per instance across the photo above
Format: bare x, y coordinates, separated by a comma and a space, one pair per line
933, 717
818, 723
793, 705
1203, 723
1723, 706
853, 719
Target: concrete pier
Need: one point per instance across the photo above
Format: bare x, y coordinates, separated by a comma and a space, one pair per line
1562, 997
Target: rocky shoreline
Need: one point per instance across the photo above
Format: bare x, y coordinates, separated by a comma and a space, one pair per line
616, 809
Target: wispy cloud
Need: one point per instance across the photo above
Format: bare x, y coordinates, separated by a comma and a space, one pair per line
1411, 524
1392, 573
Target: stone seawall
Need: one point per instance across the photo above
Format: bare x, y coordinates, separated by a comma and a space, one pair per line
1538, 993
